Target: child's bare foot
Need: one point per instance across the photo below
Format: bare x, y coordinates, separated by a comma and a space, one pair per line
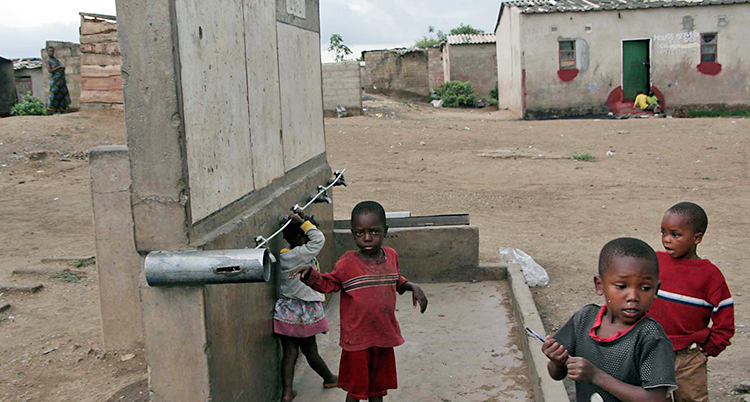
332, 383
289, 397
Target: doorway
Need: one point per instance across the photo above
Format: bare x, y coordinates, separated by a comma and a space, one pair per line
636, 67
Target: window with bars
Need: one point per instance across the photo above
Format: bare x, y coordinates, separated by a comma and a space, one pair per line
567, 54
708, 47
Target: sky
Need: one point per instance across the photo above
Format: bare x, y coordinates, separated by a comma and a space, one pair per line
363, 24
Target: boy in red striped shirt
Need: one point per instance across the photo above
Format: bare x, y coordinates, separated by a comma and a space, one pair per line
693, 294
369, 279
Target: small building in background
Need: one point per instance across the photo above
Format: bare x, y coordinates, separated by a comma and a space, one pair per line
29, 78
571, 57
471, 58
7, 87
69, 54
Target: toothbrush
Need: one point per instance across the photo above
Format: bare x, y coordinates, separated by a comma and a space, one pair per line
537, 336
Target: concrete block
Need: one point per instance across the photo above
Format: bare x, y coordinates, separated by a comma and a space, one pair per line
215, 104
301, 94
117, 261
154, 123
176, 344
429, 254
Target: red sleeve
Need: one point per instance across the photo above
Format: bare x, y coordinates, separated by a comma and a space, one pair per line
324, 283
722, 321
401, 279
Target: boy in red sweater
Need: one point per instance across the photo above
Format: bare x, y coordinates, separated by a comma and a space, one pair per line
693, 294
369, 279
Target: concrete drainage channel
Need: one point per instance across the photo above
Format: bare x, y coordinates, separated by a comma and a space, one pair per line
442, 252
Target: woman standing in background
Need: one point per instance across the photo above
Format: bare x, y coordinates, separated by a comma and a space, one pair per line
59, 98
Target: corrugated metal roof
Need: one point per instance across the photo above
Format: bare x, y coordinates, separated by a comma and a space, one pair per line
470, 39
27, 63
562, 6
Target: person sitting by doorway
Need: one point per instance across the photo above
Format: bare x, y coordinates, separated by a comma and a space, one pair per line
653, 102
644, 102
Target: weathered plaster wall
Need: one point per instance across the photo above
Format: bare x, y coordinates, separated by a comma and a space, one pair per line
215, 103
475, 63
509, 62
342, 86
69, 55
397, 71
301, 97
675, 55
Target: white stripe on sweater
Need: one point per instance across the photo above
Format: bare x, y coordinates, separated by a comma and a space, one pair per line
694, 301
724, 303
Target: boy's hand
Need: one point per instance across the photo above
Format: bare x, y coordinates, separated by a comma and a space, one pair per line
303, 272
296, 218
555, 351
580, 369
418, 296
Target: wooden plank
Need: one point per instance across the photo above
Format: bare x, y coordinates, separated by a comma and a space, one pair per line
93, 59
100, 71
101, 97
111, 48
415, 221
91, 27
101, 83
14, 288
99, 38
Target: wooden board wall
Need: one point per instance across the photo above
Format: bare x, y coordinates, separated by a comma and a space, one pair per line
101, 82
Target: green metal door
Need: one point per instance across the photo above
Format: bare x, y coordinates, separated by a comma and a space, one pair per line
635, 68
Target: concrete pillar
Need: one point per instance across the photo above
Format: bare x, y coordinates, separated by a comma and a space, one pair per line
117, 261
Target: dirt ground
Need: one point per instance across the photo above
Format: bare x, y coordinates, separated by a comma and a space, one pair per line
515, 178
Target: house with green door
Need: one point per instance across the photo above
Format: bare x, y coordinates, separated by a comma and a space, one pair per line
559, 58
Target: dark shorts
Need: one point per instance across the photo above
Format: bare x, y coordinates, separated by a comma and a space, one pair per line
368, 373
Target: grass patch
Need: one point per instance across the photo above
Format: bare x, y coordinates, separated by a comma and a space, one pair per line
68, 276
83, 263
583, 157
718, 112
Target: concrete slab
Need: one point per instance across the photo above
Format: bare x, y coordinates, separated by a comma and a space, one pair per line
462, 349
15, 288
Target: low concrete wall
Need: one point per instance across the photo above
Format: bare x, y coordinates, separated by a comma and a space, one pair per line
428, 254
342, 86
117, 261
545, 388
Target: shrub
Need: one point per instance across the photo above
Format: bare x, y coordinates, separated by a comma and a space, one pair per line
457, 94
29, 106
495, 93
718, 112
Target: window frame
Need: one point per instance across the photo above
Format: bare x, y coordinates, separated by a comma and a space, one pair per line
568, 52
714, 43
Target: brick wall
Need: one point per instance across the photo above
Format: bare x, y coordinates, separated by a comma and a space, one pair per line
435, 67
342, 86
399, 71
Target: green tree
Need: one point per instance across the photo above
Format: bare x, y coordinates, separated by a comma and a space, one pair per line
466, 30
338, 48
431, 40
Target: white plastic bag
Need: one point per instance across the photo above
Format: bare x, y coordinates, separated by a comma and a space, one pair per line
534, 273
